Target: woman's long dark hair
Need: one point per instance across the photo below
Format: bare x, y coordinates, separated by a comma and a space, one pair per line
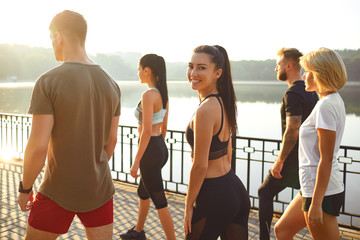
157, 65
224, 83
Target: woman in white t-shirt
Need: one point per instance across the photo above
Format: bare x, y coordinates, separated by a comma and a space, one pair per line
322, 190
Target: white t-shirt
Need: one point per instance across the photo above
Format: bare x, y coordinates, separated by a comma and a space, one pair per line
329, 113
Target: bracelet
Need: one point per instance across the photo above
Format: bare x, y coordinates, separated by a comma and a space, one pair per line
22, 190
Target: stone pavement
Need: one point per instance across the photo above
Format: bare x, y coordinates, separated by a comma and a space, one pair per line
13, 220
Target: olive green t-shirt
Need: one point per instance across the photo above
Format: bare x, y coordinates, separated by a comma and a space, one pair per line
83, 99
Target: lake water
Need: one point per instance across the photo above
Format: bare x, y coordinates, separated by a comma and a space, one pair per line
258, 106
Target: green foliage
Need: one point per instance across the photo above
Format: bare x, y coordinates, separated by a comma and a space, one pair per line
253, 70
118, 65
23, 63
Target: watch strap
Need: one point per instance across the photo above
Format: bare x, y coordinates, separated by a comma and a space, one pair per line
22, 190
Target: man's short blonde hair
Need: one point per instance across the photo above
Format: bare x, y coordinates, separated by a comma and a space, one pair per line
291, 54
71, 23
327, 67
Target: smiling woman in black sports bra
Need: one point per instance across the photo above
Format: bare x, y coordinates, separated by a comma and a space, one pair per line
217, 203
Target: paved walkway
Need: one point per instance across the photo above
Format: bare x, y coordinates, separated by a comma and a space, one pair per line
13, 221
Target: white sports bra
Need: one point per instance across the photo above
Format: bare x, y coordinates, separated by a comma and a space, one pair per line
158, 117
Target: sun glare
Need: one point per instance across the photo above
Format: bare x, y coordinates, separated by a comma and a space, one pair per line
245, 30
6, 155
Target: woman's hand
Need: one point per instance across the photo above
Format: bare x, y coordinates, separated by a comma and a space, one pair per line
189, 209
315, 215
134, 170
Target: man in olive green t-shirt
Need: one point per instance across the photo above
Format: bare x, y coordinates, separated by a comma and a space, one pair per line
76, 108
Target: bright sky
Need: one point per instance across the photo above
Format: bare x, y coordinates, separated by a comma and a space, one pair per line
252, 29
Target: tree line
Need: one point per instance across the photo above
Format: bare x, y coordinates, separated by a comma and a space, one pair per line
24, 63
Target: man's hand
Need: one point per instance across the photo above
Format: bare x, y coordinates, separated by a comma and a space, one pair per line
276, 168
25, 201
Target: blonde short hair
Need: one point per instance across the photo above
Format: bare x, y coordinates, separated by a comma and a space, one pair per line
71, 23
327, 67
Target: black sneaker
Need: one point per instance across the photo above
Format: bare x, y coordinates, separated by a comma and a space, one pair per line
132, 234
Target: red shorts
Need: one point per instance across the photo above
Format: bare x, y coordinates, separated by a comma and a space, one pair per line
47, 215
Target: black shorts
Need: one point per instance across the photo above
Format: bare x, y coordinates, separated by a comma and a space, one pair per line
331, 204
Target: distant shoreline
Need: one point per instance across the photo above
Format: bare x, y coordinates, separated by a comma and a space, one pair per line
236, 82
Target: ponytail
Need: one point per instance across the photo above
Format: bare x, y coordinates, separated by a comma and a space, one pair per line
161, 82
226, 89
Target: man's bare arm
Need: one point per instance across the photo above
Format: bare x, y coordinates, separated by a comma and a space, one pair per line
35, 155
291, 136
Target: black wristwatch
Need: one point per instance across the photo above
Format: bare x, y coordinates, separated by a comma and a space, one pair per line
22, 190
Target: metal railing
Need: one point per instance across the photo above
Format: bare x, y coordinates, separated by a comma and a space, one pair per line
252, 160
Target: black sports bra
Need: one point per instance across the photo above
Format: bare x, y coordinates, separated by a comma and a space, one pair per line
217, 147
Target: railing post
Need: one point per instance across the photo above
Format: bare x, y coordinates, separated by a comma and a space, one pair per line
182, 157
122, 148
171, 157
344, 179
233, 156
248, 168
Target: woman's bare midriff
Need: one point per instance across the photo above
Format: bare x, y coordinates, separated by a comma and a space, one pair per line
218, 167
156, 129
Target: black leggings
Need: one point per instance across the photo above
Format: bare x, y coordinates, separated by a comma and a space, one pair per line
221, 209
151, 184
270, 188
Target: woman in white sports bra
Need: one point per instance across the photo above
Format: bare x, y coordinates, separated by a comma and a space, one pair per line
152, 114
